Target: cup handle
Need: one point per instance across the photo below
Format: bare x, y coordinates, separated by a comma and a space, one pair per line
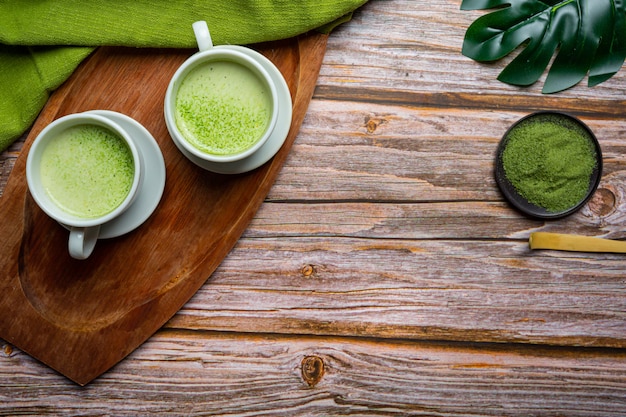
82, 241
203, 36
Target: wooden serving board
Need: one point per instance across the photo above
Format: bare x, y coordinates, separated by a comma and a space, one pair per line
82, 317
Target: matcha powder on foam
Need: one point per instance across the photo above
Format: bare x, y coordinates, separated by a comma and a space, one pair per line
549, 160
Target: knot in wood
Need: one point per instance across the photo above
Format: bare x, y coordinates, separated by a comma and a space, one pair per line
307, 270
372, 124
603, 202
8, 349
312, 370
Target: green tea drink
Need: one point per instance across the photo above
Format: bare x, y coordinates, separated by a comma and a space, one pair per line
222, 108
87, 170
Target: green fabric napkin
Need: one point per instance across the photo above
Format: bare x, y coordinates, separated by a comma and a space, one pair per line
41, 43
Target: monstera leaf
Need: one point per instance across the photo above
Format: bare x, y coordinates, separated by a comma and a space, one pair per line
587, 36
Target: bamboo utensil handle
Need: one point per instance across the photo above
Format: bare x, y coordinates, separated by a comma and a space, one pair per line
574, 243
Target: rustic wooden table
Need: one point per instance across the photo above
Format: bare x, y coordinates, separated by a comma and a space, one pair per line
384, 274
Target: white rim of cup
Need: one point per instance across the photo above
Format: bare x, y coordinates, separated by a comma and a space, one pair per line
172, 89
33, 162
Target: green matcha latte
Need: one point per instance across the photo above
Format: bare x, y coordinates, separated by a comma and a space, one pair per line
222, 108
87, 170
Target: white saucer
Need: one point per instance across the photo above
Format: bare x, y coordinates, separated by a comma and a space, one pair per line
153, 185
274, 142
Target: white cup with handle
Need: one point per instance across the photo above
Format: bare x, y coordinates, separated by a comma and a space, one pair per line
84, 170
221, 105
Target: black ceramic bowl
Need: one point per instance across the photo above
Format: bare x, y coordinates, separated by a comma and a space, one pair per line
519, 202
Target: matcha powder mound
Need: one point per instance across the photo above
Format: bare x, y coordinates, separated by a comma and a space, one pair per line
549, 160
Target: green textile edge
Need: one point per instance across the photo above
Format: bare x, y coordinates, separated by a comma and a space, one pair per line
41, 44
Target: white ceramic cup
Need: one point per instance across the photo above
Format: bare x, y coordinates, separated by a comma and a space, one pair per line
207, 54
84, 231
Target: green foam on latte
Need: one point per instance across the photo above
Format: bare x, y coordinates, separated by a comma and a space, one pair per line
222, 108
87, 170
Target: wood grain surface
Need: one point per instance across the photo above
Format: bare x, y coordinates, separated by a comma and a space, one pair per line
384, 274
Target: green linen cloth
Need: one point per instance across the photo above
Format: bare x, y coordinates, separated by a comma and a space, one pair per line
42, 42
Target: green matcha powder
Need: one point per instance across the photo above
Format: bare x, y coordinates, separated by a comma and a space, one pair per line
549, 160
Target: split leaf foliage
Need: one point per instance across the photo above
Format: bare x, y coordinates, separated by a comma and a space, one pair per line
588, 37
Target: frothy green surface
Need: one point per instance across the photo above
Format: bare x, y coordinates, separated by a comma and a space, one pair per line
222, 108
87, 170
